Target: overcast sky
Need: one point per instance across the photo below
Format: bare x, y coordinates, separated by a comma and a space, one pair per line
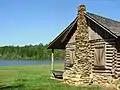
40, 21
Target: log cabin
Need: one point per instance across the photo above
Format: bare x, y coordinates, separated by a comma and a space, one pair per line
104, 37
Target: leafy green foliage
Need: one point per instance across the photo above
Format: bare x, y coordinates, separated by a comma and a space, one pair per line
28, 52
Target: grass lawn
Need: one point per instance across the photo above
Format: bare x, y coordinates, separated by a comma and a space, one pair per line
35, 77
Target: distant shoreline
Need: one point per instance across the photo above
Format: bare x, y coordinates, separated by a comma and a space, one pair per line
29, 52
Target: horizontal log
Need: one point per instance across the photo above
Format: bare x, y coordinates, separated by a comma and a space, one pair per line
92, 44
71, 43
67, 54
112, 48
109, 58
109, 61
117, 66
98, 67
118, 59
67, 57
118, 69
92, 49
118, 56
118, 63
99, 43
102, 71
70, 46
102, 68
92, 52
109, 52
67, 68
110, 43
118, 73
118, 53
67, 62
109, 55
109, 46
108, 68
109, 65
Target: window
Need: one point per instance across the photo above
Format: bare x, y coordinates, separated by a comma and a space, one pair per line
99, 55
72, 56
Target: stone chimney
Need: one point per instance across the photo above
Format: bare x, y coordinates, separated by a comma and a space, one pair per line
81, 70
81, 11
81, 32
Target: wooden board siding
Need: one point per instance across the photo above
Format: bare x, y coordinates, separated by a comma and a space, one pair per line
93, 35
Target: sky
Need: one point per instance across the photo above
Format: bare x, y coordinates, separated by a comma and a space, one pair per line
24, 22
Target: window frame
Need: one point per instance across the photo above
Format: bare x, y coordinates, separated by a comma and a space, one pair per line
100, 45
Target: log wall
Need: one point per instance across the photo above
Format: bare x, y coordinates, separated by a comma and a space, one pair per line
99, 36
118, 56
112, 57
70, 52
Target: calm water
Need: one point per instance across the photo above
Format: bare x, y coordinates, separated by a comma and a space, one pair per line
27, 62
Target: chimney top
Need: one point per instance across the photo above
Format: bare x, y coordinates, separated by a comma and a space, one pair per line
82, 8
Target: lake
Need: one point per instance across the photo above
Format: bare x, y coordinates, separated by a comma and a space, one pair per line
27, 62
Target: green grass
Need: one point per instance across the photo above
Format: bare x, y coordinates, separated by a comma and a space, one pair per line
33, 78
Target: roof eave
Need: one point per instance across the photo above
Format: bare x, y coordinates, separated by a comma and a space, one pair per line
69, 27
102, 26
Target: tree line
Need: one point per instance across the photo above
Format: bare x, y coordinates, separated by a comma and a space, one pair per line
29, 52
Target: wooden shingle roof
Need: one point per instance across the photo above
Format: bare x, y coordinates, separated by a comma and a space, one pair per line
111, 26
